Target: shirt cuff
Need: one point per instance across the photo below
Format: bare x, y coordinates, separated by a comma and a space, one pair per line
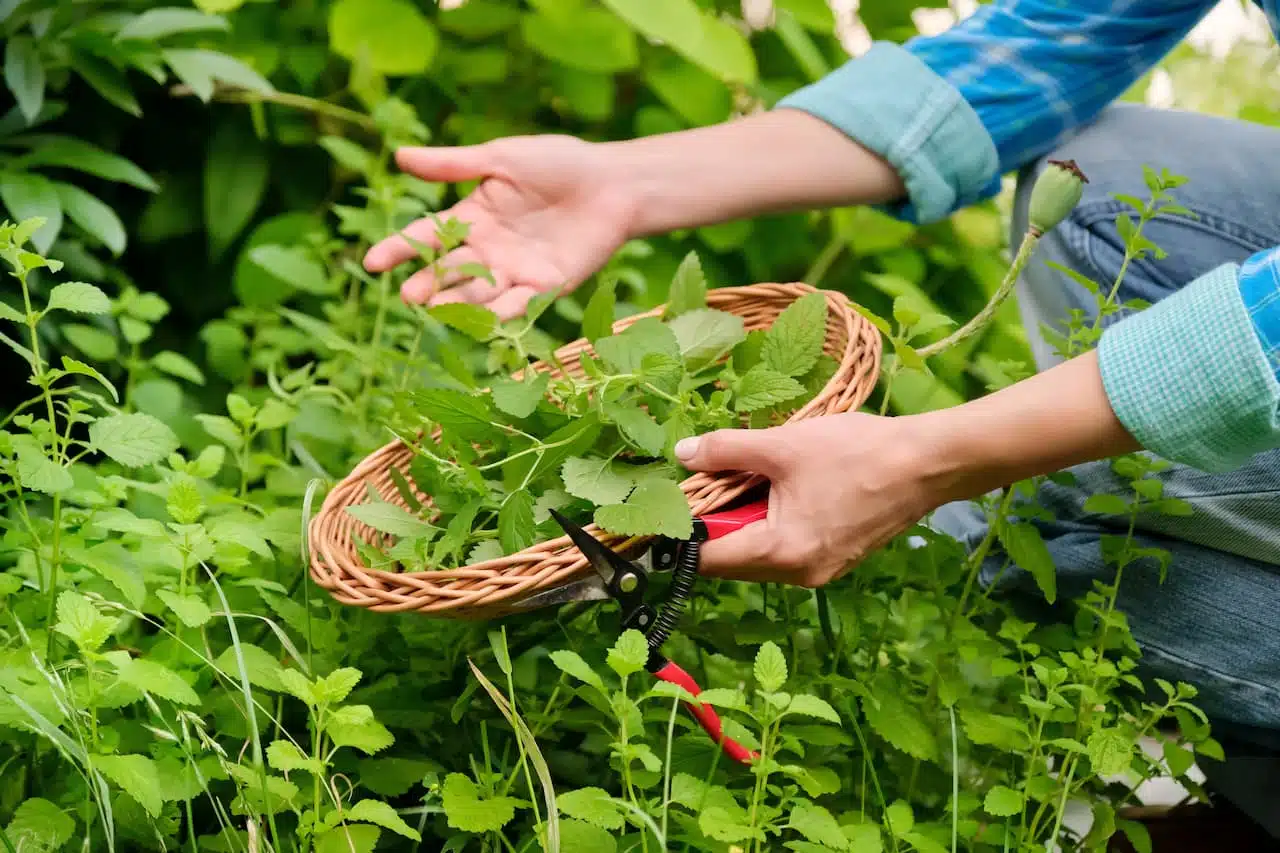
892, 103
1189, 379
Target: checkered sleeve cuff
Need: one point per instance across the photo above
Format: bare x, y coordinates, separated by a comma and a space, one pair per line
1189, 377
891, 102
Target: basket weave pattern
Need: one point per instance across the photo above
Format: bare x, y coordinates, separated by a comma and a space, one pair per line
490, 588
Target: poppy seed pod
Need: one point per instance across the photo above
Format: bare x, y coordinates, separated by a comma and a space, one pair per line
1056, 192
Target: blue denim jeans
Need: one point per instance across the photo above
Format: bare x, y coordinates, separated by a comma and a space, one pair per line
1215, 621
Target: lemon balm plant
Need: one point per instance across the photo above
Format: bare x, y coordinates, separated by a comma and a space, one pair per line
168, 677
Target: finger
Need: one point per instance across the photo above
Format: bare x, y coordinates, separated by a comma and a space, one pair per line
478, 291
741, 555
512, 302
395, 250
426, 283
759, 451
446, 164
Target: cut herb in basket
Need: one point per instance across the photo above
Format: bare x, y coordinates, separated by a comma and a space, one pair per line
594, 441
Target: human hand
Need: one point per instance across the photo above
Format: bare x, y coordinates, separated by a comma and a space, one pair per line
841, 486
548, 213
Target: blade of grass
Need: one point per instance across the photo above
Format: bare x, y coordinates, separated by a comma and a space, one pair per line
535, 756
250, 707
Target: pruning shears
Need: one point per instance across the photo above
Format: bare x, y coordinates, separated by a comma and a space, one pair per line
627, 582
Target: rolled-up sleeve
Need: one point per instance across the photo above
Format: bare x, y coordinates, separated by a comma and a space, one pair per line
1195, 378
953, 111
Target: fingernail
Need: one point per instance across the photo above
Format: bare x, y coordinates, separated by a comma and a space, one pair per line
686, 448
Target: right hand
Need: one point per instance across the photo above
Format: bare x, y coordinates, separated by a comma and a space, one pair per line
549, 211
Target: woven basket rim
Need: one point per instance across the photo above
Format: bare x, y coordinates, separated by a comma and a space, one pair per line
383, 589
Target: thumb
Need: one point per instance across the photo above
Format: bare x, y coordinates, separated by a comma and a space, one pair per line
758, 451
447, 164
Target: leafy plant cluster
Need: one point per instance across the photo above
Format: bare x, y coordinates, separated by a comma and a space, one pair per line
169, 677
598, 446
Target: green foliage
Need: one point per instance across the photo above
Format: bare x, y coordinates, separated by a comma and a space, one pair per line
169, 674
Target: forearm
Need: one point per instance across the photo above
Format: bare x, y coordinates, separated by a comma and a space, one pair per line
1046, 423
768, 162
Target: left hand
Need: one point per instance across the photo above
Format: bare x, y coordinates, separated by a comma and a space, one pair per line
844, 485
840, 487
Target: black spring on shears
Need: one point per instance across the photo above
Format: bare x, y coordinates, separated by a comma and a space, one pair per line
678, 594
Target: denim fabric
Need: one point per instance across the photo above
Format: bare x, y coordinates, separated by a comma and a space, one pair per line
1215, 622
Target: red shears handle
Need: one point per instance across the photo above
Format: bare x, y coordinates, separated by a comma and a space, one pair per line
705, 715
723, 523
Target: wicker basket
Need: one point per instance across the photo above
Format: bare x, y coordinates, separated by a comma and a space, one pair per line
490, 588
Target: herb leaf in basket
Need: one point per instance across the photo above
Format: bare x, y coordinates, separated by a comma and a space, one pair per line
593, 439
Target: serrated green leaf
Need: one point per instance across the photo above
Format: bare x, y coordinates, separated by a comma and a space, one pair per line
466, 810
625, 351
899, 723
657, 507
348, 838
38, 472
727, 824
638, 426
78, 298
770, 668
355, 726
461, 415
71, 365
391, 519
1178, 760
593, 805
723, 697
1106, 505
1026, 548
818, 825
137, 776
794, 341
191, 609
134, 439
630, 653
474, 321
337, 685
81, 622
1003, 802
154, 678
688, 287
571, 663
284, 756
519, 398
601, 481
375, 811
764, 387
706, 334
262, 670
39, 826
8, 312
597, 317
1110, 751
812, 706
516, 530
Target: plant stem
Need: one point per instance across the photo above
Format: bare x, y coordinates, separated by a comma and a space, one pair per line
826, 258
979, 320
231, 95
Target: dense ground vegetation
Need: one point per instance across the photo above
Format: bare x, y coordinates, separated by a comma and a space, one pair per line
188, 193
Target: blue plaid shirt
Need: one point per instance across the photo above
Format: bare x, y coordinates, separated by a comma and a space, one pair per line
954, 111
